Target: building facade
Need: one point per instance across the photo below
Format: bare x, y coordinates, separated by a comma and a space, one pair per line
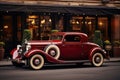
40, 17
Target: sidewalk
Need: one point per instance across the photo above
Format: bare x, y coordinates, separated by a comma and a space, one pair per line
8, 62
114, 59
5, 62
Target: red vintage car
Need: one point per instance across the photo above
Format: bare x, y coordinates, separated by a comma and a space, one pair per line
61, 48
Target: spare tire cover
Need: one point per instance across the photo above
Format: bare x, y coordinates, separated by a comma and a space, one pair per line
53, 50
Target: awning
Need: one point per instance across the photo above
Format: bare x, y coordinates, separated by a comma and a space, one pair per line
80, 10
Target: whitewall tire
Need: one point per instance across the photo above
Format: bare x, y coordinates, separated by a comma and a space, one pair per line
36, 62
53, 51
97, 60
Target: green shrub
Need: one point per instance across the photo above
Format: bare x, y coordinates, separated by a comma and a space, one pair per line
117, 43
107, 42
97, 38
26, 35
54, 31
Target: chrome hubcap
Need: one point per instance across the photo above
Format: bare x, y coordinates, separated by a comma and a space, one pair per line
97, 59
36, 62
52, 53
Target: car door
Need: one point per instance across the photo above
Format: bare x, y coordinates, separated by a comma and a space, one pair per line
71, 47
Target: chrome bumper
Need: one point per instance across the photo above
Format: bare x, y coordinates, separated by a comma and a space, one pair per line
19, 61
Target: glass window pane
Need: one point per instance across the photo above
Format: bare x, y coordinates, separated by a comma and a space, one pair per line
103, 26
7, 28
19, 32
46, 25
76, 23
90, 24
33, 25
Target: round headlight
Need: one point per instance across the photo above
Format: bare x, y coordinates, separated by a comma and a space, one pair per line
18, 47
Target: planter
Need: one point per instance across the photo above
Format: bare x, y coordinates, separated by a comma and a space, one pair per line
108, 47
116, 51
1, 53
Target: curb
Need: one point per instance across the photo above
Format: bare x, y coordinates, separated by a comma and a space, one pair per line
113, 60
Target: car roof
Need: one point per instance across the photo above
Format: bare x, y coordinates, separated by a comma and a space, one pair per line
67, 33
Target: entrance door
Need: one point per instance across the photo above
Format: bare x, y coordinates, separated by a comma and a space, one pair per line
7, 36
10, 32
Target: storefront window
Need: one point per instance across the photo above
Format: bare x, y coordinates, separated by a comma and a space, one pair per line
45, 25
40, 26
80, 24
32, 22
59, 24
76, 23
90, 24
7, 28
103, 26
19, 29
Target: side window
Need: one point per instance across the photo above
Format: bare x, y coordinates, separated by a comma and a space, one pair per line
72, 38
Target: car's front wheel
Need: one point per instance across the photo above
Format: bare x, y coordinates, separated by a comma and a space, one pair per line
97, 59
36, 62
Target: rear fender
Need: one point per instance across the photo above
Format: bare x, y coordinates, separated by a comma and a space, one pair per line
45, 55
97, 49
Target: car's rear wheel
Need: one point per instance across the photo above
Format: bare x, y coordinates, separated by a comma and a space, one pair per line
36, 62
53, 51
97, 59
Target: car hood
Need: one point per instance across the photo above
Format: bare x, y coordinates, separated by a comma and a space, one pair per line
47, 42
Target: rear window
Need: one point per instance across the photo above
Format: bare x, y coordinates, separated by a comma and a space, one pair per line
72, 38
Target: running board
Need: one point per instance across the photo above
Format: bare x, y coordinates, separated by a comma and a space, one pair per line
77, 61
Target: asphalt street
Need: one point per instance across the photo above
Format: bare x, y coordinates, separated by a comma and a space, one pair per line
109, 71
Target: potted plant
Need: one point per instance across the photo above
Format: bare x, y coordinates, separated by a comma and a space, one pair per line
2, 50
107, 45
117, 43
116, 48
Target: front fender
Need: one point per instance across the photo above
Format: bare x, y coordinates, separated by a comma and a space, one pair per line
98, 49
45, 55
14, 53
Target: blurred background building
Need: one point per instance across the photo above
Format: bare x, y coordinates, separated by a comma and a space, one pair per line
42, 16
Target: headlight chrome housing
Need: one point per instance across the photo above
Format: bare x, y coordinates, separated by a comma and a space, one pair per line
19, 49
22, 49
28, 46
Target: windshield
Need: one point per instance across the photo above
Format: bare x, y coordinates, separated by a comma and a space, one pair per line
56, 37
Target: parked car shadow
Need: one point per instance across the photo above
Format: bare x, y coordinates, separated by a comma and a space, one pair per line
51, 66
67, 66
